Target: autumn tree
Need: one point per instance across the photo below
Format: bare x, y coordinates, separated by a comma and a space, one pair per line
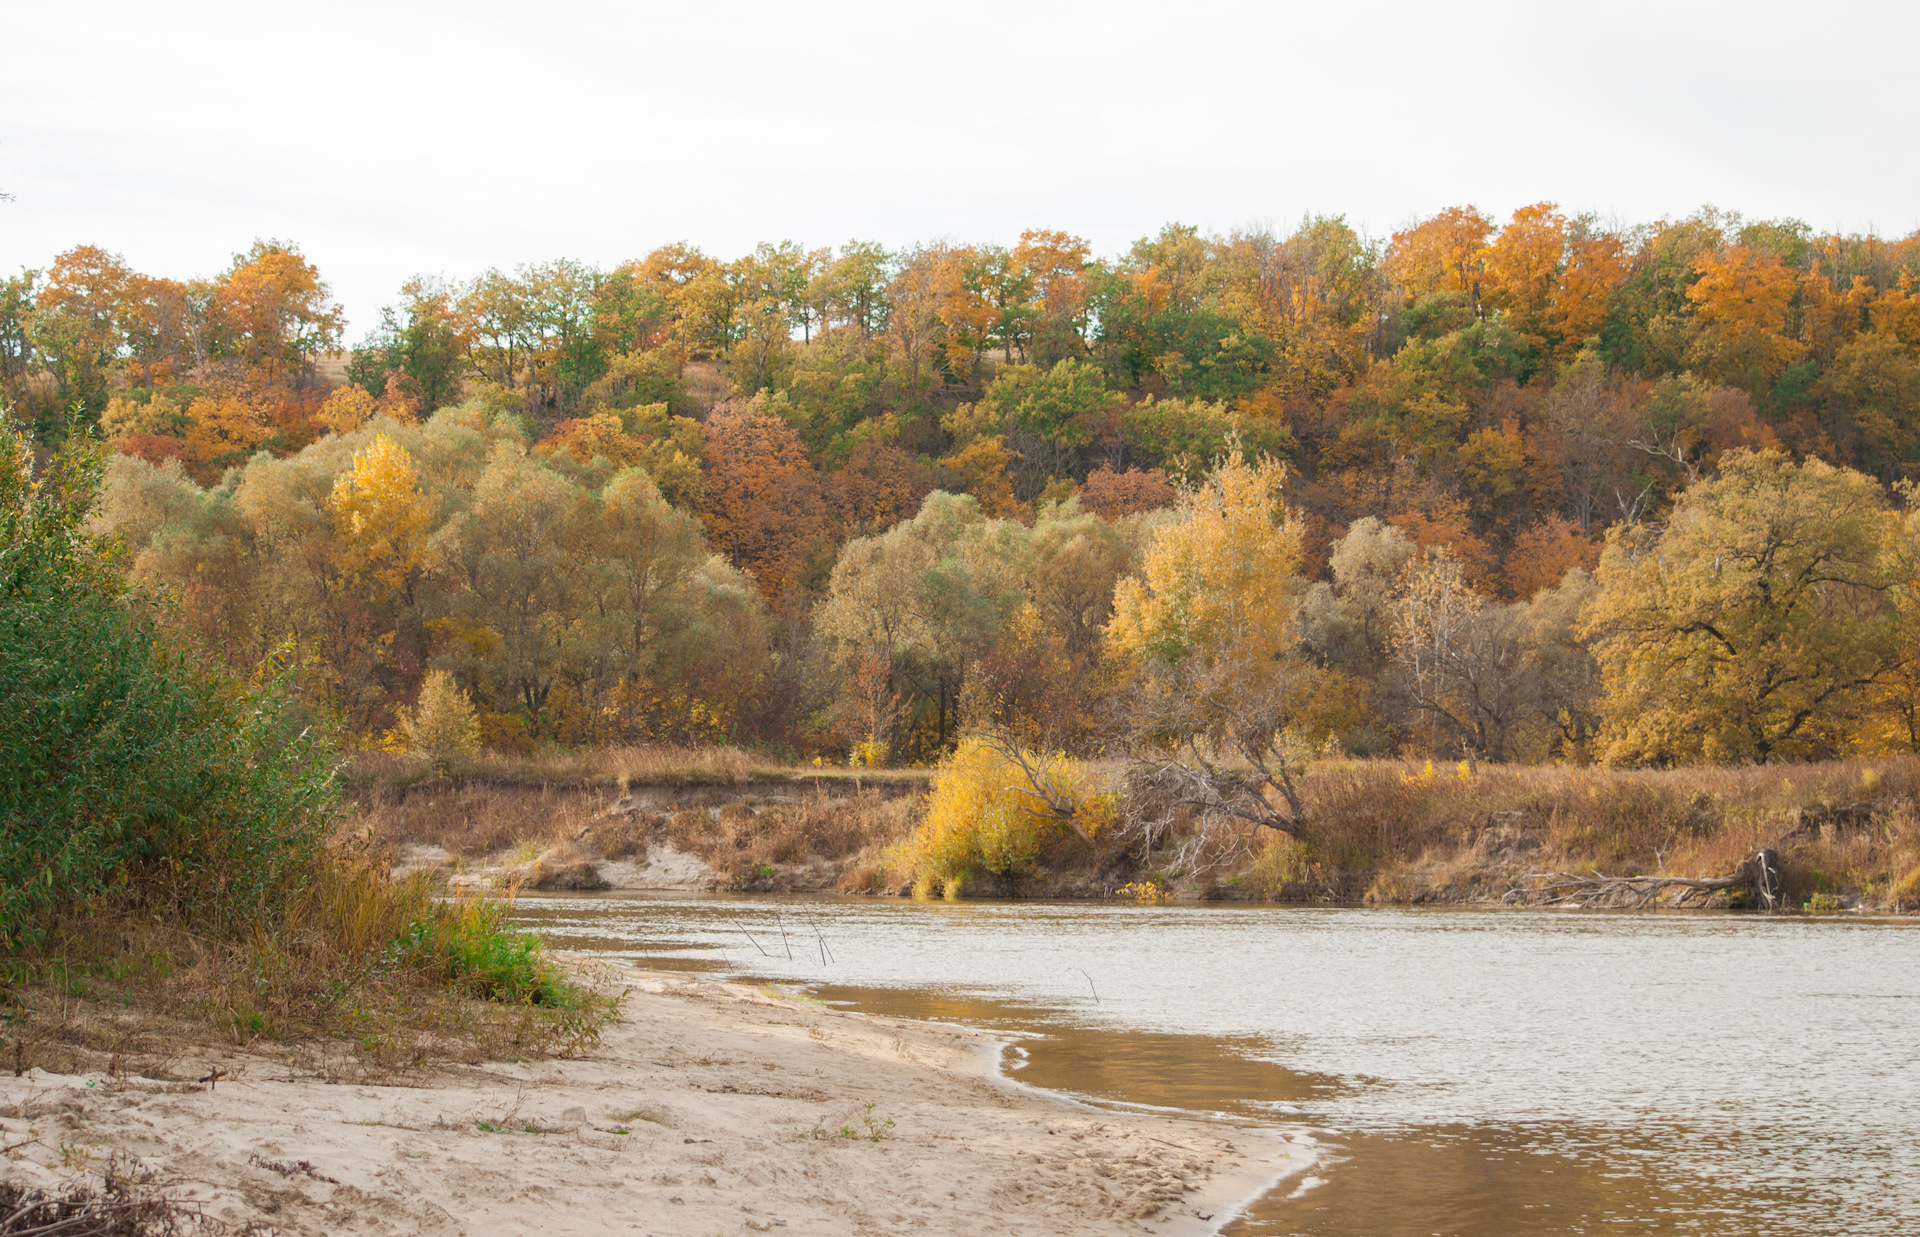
380, 521
1522, 267
1210, 644
1442, 257
1741, 298
1052, 265
1752, 626
762, 505
930, 597
1111, 494
442, 723
273, 312
77, 321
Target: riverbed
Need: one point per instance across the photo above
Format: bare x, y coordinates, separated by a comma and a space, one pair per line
1464, 1072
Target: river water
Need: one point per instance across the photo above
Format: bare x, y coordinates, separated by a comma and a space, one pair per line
1468, 1073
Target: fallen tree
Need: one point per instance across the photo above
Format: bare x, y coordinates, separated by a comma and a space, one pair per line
1760, 875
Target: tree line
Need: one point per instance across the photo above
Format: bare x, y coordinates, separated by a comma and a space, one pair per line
853, 501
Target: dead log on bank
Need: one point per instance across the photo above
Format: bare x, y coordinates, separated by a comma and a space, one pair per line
1760, 875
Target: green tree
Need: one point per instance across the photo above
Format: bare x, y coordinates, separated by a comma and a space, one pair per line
420, 341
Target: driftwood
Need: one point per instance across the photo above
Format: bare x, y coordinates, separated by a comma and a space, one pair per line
1760, 874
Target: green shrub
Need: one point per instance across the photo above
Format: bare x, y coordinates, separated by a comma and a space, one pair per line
131, 771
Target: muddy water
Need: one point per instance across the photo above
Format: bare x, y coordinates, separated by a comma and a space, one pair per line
1467, 1073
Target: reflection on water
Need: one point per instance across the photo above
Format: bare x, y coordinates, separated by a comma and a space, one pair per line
1469, 1073
1524, 1182
1157, 1069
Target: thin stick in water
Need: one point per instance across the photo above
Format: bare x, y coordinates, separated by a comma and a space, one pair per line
1090, 987
783, 934
743, 932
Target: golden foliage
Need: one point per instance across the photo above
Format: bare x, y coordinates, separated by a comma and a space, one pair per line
1753, 626
381, 517
984, 817
1213, 584
347, 409
443, 722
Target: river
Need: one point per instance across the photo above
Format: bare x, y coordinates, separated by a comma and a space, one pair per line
1468, 1073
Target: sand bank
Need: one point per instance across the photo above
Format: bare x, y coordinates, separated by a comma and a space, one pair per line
711, 1108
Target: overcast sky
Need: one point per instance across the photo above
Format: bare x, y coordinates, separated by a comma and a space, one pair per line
392, 138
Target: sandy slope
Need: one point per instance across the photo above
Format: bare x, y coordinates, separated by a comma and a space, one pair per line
746, 1090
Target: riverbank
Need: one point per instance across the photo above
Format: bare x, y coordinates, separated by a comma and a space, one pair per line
1840, 835
708, 1108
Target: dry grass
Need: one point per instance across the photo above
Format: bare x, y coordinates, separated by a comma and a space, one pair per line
756, 850
550, 836
360, 973
474, 820
563, 769
1395, 832
608, 767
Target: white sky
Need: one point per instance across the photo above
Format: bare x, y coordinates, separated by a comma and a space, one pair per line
393, 138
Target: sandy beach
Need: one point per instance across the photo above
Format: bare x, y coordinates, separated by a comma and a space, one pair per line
710, 1108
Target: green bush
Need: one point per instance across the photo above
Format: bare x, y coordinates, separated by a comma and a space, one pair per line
131, 771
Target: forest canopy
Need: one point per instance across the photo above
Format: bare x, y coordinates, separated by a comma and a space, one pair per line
1545, 488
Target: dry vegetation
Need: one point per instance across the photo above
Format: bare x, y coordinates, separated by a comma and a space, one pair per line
556, 767
762, 830
1380, 832
1388, 832
362, 975
124, 1206
619, 768
787, 846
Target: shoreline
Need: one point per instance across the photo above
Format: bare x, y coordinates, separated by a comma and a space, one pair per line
710, 1107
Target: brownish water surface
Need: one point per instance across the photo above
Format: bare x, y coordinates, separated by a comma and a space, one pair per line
1462, 1073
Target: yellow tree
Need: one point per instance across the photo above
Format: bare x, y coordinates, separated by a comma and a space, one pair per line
442, 724
1207, 637
1755, 625
1741, 299
1523, 264
346, 409
380, 517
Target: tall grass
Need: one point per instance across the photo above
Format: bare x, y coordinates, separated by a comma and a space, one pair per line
1399, 831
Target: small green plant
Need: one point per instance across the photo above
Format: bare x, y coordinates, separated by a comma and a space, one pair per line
74, 1155
1823, 904
872, 1128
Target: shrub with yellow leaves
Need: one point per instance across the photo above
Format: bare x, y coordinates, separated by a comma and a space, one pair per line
442, 724
992, 810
